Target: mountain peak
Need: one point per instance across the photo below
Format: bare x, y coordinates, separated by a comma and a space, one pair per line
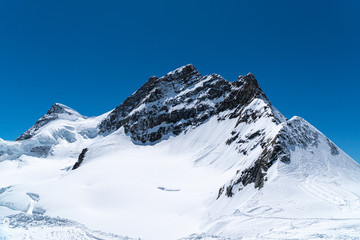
58, 108
250, 85
247, 78
182, 73
57, 111
181, 99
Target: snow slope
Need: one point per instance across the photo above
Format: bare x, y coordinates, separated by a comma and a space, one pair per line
232, 167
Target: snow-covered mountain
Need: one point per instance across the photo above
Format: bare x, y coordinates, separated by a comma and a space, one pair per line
185, 157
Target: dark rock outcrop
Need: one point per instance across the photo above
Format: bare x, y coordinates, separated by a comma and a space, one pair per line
256, 173
80, 159
295, 132
181, 99
333, 148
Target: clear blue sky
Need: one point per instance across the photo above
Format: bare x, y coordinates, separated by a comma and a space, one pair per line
91, 55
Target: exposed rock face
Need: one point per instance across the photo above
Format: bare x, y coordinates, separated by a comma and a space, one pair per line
256, 173
80, 159
334, 149
293, 133
243, 91
55, 112
182, 98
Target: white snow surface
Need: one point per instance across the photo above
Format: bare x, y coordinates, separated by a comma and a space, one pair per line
169, 190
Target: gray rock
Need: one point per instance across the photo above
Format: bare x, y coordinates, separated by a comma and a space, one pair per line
184, 98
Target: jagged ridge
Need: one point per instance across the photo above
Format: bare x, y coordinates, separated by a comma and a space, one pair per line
295, 132
182, 98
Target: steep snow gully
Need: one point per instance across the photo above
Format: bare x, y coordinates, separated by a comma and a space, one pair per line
185, 157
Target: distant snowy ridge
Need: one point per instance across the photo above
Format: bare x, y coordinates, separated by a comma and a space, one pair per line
59, 124
57, 111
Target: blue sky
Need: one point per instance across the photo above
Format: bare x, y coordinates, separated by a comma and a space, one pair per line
91, 55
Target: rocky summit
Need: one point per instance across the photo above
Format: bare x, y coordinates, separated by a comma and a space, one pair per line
182, 98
